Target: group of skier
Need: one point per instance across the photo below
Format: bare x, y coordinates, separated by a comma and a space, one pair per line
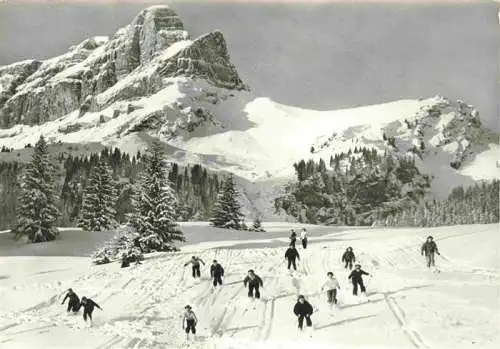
302, 309
303, 237
74, 304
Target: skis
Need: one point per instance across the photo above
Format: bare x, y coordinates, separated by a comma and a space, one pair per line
331, 309
306, 332
187, 343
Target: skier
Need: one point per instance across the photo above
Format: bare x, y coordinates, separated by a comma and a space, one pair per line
74, 301
303, 310
303, 237
125, 261
349, 258
291, 254
254, 282
217, 272
429, 248
357, 279
293, 237
189, 321
331, 285
195, 261
88, 308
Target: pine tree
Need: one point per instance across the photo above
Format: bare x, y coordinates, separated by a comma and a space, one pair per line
124, 242
226, 213
257, 225
99, 200
37, 212
155, 205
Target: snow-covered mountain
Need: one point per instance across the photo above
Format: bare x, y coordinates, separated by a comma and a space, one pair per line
152, 81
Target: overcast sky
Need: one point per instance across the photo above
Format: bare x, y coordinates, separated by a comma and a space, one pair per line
314, 56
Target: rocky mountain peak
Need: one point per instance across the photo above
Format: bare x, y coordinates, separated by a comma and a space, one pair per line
135, 62
152, 30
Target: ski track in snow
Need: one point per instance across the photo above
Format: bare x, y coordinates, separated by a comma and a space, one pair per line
143, 304
399, 314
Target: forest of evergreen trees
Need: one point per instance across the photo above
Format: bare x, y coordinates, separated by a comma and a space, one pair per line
477, 204
357, 188
196, 189
362, 187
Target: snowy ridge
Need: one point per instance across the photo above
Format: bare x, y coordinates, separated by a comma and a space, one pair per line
409, 306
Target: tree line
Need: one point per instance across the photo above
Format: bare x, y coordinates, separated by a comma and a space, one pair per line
151, 223
362, 187
476, 204
195, 188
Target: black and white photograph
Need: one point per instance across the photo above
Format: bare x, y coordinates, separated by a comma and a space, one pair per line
249, 174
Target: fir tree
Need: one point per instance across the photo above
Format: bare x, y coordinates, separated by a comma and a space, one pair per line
125, 242
99, 200
226, 213
37, 210
155, 205
257, 225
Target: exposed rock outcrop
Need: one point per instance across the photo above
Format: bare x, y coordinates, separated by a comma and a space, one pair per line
98, 72
207, 57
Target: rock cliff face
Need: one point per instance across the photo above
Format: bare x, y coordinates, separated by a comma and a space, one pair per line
43, 92
206, 57
101, 71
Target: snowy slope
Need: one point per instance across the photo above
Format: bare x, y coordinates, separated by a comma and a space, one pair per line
260, 140
409, 308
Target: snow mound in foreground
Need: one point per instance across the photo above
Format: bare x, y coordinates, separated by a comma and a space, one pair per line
408, 306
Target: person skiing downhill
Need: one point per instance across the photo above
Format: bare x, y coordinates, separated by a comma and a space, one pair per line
331, 285
349, 258
293, 237
195, 261
74, 301
429, 248
254, 282
291, 254
303, 237
357, 279
303, 310
217, 272
88, 308
189, 321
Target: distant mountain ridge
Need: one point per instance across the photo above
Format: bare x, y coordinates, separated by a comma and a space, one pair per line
151, 80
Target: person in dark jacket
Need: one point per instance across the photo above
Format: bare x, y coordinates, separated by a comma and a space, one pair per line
429, 248
293, 237
88, 308
254, 282
349, 258
291, 254
356, 277
74, 301
217, 272
125, 261
303, 310
195, 261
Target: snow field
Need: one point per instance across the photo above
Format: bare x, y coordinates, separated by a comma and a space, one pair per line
407, 306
